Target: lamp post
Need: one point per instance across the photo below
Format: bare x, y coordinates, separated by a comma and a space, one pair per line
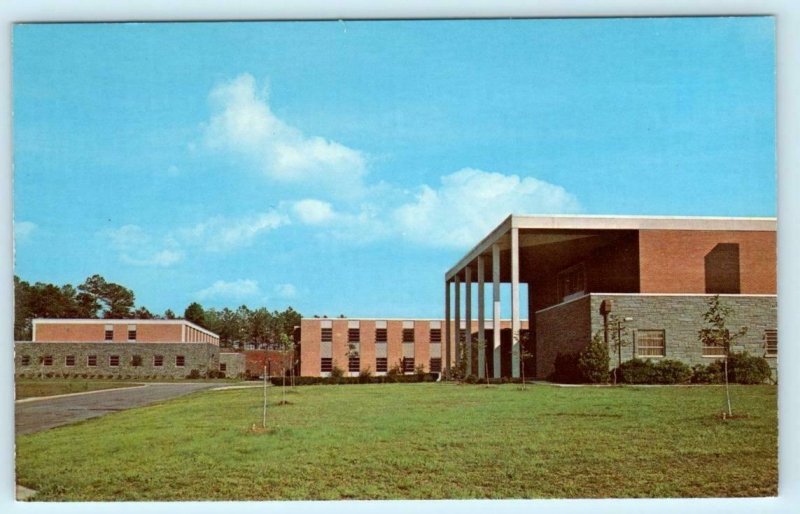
619, 344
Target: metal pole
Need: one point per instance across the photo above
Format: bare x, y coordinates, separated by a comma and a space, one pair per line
264, 417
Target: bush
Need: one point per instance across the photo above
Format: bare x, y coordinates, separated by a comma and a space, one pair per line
672, 372
744, 368
193, 374
593, 361
638, 371
566, 369
471, 379
365, 376
394, 374
337, 372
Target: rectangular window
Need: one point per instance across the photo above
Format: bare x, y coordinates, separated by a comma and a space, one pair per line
223, 366
572, 282
109, 332
326, 364
47, 360
158, 360
381, 364
326, 335
771, 342
713, 351
381, 335
436, 365
354, 364
180, 361
25, 360
69, 360
408, 335
91, 360
113, 360
131, 332
650, 343
408, 365
436, 335
353, 335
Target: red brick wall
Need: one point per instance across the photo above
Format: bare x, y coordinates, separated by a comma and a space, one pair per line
94, 332
276, 362
673, 261
564, 328
310, 337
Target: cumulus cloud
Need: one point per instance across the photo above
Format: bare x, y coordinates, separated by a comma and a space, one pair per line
313, 212
238, 289
471, 202
139, 248
286, 290
243, 123
23, 230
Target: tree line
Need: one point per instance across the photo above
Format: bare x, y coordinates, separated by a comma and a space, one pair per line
98, 298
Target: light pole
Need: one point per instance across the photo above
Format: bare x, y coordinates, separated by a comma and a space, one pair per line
619, 344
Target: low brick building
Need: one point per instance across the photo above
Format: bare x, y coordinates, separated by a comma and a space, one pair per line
118, 348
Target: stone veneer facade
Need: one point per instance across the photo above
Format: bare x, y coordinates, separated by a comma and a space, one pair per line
202, 357
568, 327
234, 364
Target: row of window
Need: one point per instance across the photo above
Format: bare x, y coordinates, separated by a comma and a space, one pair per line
381, 335
113, 360
381, 365
652, 343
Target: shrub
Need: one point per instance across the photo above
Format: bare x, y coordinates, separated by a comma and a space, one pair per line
419, 371
744, 368
394, 373
669, 371
471, 379
365, 376
593, 361
566, 369
636, 371
193, 374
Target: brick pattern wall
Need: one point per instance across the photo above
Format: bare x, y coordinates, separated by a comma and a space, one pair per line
177, 331
561, 329
200, 356
681, 317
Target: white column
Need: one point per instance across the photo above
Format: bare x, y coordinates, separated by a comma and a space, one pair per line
481, 322
468, 321
496, 311
457, 331
447, 326
515, 325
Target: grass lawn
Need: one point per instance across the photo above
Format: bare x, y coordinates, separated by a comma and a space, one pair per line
416, 441
35, 388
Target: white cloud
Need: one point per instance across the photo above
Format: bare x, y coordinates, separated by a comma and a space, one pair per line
23, 230
470, 202
313, 212
138, 248
238, 289
243, 123
286, 290
218, 234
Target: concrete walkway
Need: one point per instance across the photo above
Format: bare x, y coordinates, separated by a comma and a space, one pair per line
44, 413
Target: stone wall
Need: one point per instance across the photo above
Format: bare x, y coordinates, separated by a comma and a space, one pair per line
202, 357
233, 363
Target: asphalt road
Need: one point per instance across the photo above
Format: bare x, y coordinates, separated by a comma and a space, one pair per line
38, 415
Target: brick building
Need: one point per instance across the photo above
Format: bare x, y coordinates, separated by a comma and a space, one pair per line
377, 345
650, 277
119, 347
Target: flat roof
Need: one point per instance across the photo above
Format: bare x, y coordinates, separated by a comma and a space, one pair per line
396, 319
608, 222
117, 321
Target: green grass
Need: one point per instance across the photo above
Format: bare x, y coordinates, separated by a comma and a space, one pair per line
417, 441
36, 388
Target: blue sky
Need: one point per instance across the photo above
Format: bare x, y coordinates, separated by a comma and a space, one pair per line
342, 167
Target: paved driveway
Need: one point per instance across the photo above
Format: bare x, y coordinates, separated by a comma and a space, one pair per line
38, 415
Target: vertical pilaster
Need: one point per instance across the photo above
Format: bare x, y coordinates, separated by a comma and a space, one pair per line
481, 321
457, 331
447, 326
496, 311
515, 325
468, 316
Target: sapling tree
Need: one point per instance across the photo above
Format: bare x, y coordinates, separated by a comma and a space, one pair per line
716, 334
524, 354
618, 339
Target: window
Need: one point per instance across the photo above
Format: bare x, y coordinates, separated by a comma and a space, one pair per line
408, 365
25, 360
326, 364
113, 360
572, 282
436, 335
354, 364
436, 365
650, 343
158, 360
408, 335
223, 366
136, 361
131, 332
381, 364
327, 335
381, 335
180, 361
771, 342
69, 360
713, 351
91, 360
353, 335
47, 360
109, 333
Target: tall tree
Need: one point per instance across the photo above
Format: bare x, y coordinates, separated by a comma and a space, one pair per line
195, 313
115, 300
168, 314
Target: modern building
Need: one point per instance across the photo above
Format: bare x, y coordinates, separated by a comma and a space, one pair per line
378, 345
649, 277
118, 347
